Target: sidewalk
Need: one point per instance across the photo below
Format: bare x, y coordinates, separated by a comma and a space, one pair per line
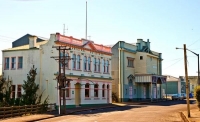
194, 115
52, 114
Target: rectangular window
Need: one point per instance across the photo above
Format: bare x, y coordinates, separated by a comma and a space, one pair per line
96, 90
89, 61
20, 62
78, 62
141, 57
98, 65
13, 63
95, 65
85, 63
87, 90
67, 61
19, 91
130, 62
74, 61
68, 90
6, 65
13, 91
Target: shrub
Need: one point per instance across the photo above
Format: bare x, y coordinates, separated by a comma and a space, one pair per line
197, 95
114, 97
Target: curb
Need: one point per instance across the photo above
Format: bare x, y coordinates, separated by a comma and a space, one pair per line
68, 113
184, 118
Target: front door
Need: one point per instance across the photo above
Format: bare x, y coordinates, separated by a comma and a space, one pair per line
77, 94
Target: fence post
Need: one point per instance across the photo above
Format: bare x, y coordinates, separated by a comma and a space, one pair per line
12, 111
25, 109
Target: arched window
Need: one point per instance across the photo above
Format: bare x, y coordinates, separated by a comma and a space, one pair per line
78, 62
95, 64
85, 63
103, 90
87, 90
89, 63
99, 65
74, 61
96, 90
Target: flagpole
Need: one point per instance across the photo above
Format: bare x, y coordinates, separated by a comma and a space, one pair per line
86, 23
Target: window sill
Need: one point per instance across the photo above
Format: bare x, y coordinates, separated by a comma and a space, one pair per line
131, 66
96, 98
87, 71
77, 69
97, 72
13, 69
106, 73
103, 98
6, 69
87, 98
19, 68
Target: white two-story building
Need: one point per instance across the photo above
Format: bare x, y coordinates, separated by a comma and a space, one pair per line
90, 69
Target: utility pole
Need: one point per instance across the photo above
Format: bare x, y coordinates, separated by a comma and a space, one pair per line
61, 78
86, 23
198, 71
64, 29
186, 77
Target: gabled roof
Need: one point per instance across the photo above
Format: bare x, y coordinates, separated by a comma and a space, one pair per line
24, 40
82, 43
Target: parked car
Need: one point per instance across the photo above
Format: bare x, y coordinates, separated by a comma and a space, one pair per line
177, 97
191, 95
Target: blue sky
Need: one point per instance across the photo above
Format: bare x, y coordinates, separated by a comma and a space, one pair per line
167, 24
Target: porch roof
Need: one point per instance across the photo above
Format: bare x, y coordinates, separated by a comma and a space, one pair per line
148, 78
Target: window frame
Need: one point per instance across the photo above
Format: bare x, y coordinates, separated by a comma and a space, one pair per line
103, 91
96, 90
78, 62
13, 63
89, 63
13, 89
85, 63
19, 91
88, 90
130, 62
6, 63
18, 63
74, 61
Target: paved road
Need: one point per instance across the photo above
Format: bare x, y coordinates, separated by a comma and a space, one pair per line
157, 112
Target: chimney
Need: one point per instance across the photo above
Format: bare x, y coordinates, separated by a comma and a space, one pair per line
32, 41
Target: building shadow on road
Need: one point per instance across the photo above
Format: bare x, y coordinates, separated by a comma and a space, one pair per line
170, 102
106, 110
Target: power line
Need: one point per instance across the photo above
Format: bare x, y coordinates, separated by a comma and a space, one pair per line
194, 42
6, 37
173, 64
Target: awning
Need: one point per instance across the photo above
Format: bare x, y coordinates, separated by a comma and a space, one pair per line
146, 78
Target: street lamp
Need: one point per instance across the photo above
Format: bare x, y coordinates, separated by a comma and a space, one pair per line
198, 62
186, 77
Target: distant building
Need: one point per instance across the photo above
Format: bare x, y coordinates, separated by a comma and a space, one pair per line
137, 71
90, 69
192, 80
172, 86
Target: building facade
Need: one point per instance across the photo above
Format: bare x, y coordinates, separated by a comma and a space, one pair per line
137, 71
89, 69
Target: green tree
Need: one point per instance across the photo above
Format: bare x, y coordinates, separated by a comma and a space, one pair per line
197, 95
5, 91
30, 88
